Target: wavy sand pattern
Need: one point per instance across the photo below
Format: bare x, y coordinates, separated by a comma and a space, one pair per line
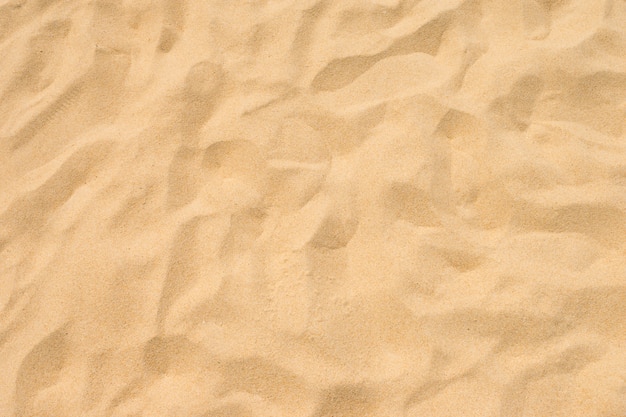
313, 208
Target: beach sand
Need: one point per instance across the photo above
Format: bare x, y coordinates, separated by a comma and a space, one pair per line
313, 208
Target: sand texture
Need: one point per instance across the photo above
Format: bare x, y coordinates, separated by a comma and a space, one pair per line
313, 208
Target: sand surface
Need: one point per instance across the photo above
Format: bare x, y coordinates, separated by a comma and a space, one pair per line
313, 208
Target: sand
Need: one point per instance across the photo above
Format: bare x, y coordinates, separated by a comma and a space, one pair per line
313, 208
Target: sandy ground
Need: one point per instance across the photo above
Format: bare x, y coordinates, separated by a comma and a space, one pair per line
313, 208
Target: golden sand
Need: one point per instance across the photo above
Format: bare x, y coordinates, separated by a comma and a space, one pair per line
313, 208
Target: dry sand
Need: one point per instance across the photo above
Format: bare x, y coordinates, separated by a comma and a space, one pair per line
313, 208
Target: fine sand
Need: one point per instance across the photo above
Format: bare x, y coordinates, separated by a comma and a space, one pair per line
313, 208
